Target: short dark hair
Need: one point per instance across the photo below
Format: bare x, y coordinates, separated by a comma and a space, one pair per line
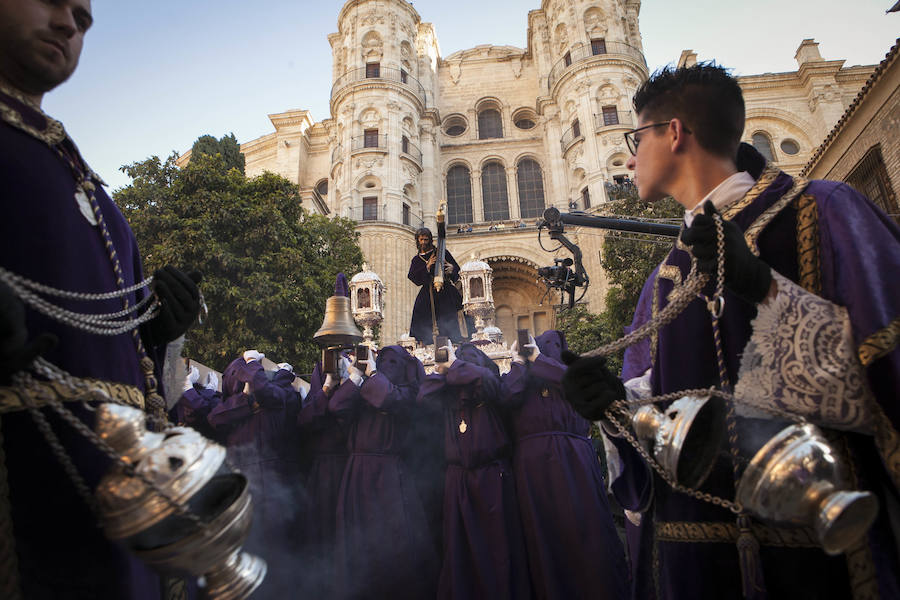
704, 96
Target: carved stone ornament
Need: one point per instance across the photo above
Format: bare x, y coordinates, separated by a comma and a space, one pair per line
455, 72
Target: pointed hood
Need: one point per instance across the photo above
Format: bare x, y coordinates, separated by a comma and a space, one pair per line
341, 288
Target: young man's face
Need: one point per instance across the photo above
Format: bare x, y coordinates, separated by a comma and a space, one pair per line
423, 242
652, 163
40, 42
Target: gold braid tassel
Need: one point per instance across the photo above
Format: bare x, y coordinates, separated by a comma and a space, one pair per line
752, 582
155, 404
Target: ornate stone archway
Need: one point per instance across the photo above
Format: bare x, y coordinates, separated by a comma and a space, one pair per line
517, 297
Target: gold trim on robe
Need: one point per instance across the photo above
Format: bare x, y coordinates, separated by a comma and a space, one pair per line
881, 343
727, 533
11, 401
810, 277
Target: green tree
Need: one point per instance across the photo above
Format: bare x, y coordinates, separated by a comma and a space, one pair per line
268, 266
628, 260
228, 147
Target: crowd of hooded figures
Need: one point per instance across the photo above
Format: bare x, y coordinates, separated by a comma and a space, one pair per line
384, 482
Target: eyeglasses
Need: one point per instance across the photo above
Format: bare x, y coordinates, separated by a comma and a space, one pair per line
632, 141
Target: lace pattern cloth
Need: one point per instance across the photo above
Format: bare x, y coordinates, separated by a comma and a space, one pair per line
801, 359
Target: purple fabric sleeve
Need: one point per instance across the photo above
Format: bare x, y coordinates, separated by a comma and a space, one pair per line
513, 385
345, 398
266, 392
548, 369
232, 409
861, 270
379, 392
433, 383
315, 408
448, 259
193, 400
418, 272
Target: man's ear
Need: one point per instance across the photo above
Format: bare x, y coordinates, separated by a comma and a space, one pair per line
677, 134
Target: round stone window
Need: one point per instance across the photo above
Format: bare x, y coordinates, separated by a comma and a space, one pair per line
790, 147
455, 125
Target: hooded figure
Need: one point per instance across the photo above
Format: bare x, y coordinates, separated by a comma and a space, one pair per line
324, 439
384, 549
447, 302
484, 551
261, 444
573, 548
193, 408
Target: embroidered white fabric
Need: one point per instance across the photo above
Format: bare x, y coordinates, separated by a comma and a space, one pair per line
635, 389
801, 359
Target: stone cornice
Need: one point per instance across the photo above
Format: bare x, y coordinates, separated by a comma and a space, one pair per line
356, 3
260, 143
374, 84
598, 60
497, 142
889, 61
483, 53
825, 68
291, 118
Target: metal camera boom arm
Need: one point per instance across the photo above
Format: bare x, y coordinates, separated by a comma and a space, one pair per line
555, 222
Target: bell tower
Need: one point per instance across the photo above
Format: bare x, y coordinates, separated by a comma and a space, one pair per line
383, 148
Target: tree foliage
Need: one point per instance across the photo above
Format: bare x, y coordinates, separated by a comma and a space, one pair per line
227, 146
268, 266
628, 260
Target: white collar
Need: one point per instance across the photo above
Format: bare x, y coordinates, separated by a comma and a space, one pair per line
723, 195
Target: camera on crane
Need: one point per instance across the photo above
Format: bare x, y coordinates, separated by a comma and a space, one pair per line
559, 275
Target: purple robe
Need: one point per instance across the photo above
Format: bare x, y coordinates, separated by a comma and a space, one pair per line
61, 551
446, 302
384, 549
855, 263
261, 439
573, 548
325, 446
484, 548
193, 408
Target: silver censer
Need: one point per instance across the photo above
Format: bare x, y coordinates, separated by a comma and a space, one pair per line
199, 529
796, 479
685, 439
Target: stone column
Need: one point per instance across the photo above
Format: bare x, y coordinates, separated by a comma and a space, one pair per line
512, 190
477, 201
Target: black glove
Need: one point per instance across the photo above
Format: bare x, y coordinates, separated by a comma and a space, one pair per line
16, 352
745, 274
589, 386
179, 299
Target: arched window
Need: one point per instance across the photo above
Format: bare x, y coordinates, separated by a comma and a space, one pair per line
494, 193
459, 195
531, 189
764, 145
489, 124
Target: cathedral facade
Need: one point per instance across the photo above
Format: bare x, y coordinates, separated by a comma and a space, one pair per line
498, 133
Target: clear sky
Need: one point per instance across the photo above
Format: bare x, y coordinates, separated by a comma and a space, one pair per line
154, 76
